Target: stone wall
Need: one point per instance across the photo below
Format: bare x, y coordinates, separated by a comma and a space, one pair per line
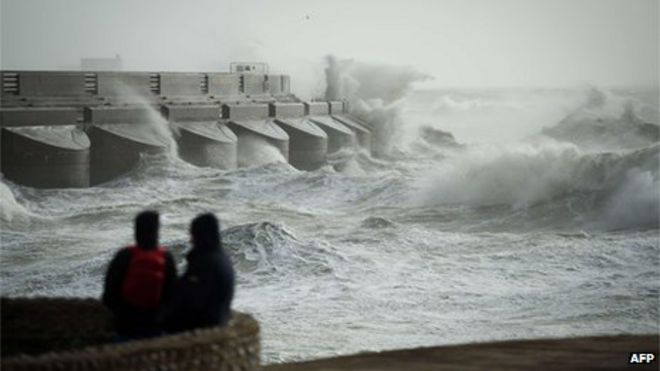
75, 334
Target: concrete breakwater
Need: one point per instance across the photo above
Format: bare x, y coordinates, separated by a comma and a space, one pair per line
76, 129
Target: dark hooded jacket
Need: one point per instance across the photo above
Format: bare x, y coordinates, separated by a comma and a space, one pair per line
203, 295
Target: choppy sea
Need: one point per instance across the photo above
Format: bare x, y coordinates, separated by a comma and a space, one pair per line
493, 214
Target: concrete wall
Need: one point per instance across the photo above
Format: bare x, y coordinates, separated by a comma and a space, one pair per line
223, 84
317, 108
286, 109
51, 84
245, 111
183, 113
38, 116
91, 86
254, 84
118, 114
181, 84
114, 84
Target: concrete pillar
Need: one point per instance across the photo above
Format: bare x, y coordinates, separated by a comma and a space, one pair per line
46, 157
274, 84
119, 135
338, 111
336, 107
209, 144
202, 140
339, 135
42, 147
308, 144
286, 84
361, 131
253, 120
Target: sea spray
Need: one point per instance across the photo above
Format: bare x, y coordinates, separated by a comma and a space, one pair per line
152, 123
606, 122
635, 203
255, 151
375, 95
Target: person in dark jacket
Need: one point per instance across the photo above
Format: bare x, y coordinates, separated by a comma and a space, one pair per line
139, 282
203, 295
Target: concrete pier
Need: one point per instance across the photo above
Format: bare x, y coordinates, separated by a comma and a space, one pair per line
253, 121
308, 144
339, 135
218, 120
119, 135
202, 140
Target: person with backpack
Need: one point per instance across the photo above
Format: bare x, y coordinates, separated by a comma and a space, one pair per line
139, 282
203, 295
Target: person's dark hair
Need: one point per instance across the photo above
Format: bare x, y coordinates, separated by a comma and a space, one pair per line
205, 231
146, 229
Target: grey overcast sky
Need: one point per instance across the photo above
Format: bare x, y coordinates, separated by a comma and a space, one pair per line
460, 42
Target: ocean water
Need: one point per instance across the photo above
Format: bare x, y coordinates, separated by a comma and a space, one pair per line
489, 214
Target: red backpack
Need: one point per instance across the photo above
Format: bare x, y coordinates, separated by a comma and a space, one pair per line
144, 281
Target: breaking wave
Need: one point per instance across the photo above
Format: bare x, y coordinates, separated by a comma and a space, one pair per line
375, 94
269, 249
606, 122
615, 190
11, 212
255, 151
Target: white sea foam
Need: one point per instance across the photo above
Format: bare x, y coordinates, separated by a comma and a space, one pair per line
11, 212
256, 151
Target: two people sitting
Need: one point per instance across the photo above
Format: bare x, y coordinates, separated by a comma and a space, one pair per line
148, 299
